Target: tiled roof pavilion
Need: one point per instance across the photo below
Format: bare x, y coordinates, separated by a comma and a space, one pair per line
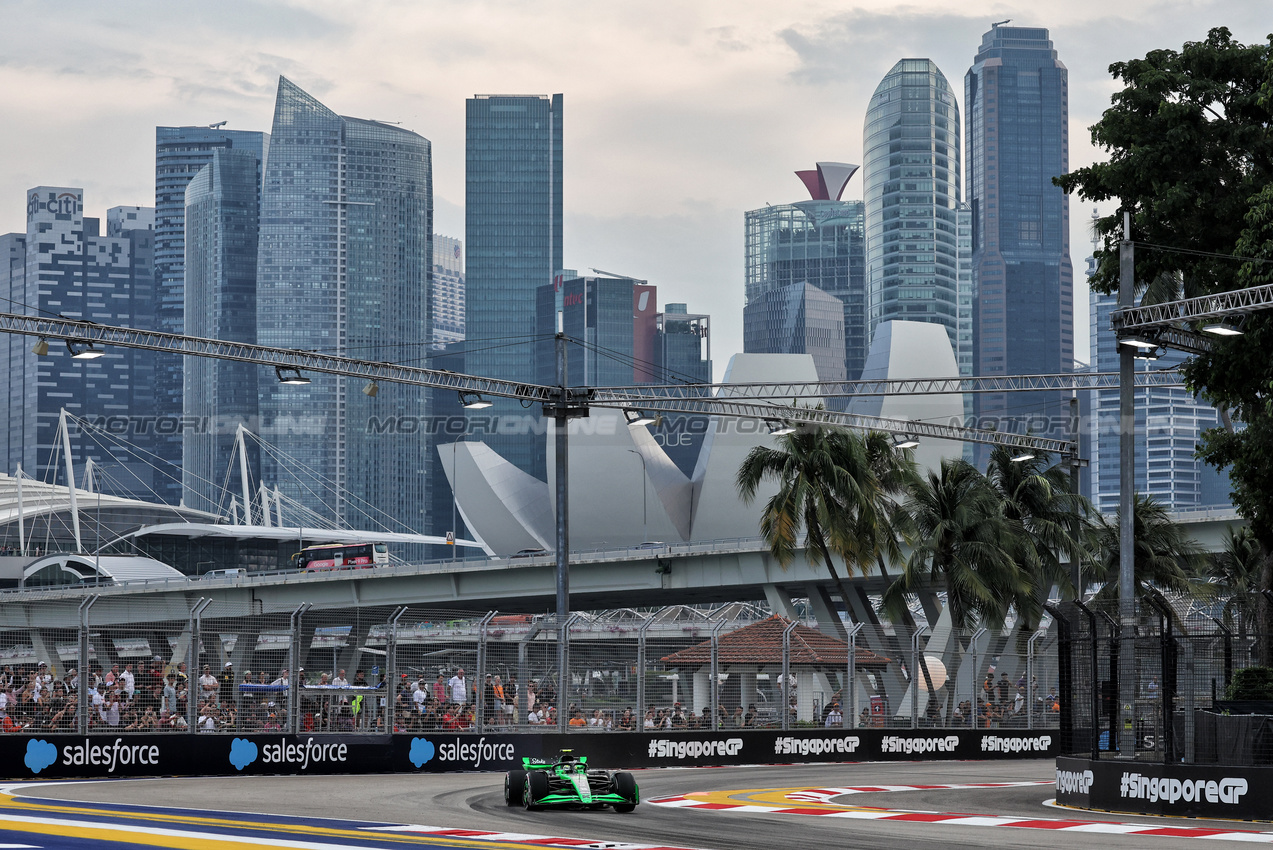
760, 644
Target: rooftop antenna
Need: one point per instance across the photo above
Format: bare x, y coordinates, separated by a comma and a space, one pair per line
217, 125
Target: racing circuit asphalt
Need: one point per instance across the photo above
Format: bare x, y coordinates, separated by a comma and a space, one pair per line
475, 801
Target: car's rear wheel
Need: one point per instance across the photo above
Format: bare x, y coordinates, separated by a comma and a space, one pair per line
625, 786
536, 789
514, 787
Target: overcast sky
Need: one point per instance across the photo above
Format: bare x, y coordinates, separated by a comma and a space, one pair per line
678, 115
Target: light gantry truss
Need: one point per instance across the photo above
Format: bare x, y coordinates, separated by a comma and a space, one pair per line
1081, 381
1169, 323
728, 403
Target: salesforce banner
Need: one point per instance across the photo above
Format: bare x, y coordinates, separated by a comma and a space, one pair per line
103, 756
1237, 792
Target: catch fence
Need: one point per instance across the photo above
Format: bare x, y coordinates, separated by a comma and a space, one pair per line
216, 668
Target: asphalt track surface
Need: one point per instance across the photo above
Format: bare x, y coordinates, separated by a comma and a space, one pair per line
475, 801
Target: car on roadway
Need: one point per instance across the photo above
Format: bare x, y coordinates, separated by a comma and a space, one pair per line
567, 782
530, 553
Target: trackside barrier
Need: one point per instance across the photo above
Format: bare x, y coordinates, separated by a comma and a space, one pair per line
106, 756
1229, 792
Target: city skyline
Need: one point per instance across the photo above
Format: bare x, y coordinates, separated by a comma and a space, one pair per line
656, 144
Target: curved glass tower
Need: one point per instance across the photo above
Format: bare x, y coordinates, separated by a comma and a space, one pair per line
912, 196
345, 264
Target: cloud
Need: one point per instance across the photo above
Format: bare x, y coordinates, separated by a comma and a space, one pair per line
422, 751
40, 754
242, 753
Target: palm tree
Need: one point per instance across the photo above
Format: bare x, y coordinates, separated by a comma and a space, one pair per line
1037, 494
1165, 557
1236, 570
829, 486
965, 543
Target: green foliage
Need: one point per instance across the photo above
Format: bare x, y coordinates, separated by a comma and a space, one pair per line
1188, 146
1191, 158
1165, 557
1251, 683
838, 487
966, 544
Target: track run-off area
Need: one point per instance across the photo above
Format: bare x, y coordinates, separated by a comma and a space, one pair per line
921, 804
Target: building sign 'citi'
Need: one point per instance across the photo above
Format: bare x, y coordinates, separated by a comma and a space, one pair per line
63, 203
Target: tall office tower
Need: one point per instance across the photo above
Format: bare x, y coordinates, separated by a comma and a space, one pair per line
611, 322
180, 152
682, 355
513, 155
911, 183
1016, 95
447, 299
798, 319
819, 241
63, 265
344, 266
221, 225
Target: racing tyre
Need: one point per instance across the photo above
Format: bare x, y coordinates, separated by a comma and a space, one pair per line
626, 787
536, 789
514, 787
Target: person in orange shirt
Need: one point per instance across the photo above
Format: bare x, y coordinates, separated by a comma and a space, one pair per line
576, 718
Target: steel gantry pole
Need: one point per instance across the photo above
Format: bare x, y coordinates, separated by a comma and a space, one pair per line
1126, 502
561, 422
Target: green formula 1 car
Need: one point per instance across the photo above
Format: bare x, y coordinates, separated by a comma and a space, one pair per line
566, 782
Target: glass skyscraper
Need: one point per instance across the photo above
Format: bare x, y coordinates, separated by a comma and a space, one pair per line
798, 319
63, 265
221, 222
911, 177
513, 155
819, 242
1016, 97
180, 152
344, 267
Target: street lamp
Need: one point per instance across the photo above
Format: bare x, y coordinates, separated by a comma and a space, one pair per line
645, 529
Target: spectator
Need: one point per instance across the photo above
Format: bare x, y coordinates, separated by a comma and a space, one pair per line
207, 684
834, 718
339, 680
749, 719
497, 688
1005, 690
511, 693
439, 688
626, 723
107, 703
577, 719
458, 687
226, 685
129, 681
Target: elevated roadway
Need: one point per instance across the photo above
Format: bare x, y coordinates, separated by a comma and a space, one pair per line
712, 572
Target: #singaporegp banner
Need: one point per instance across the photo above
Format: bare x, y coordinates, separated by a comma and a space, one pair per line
104, 756
1228, 792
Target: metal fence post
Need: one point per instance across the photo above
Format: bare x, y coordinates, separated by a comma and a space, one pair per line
563, 688
714, 685
1115, 652
640, 671
974, 703
391, 668
1095, 691
1065, 675
915, 674
192, 664
849, 697
294, 669
1029, 679
786, 675
479, 698
85, 681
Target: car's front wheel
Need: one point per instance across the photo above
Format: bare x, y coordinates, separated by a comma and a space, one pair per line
536, 790
625, 786
514, 787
